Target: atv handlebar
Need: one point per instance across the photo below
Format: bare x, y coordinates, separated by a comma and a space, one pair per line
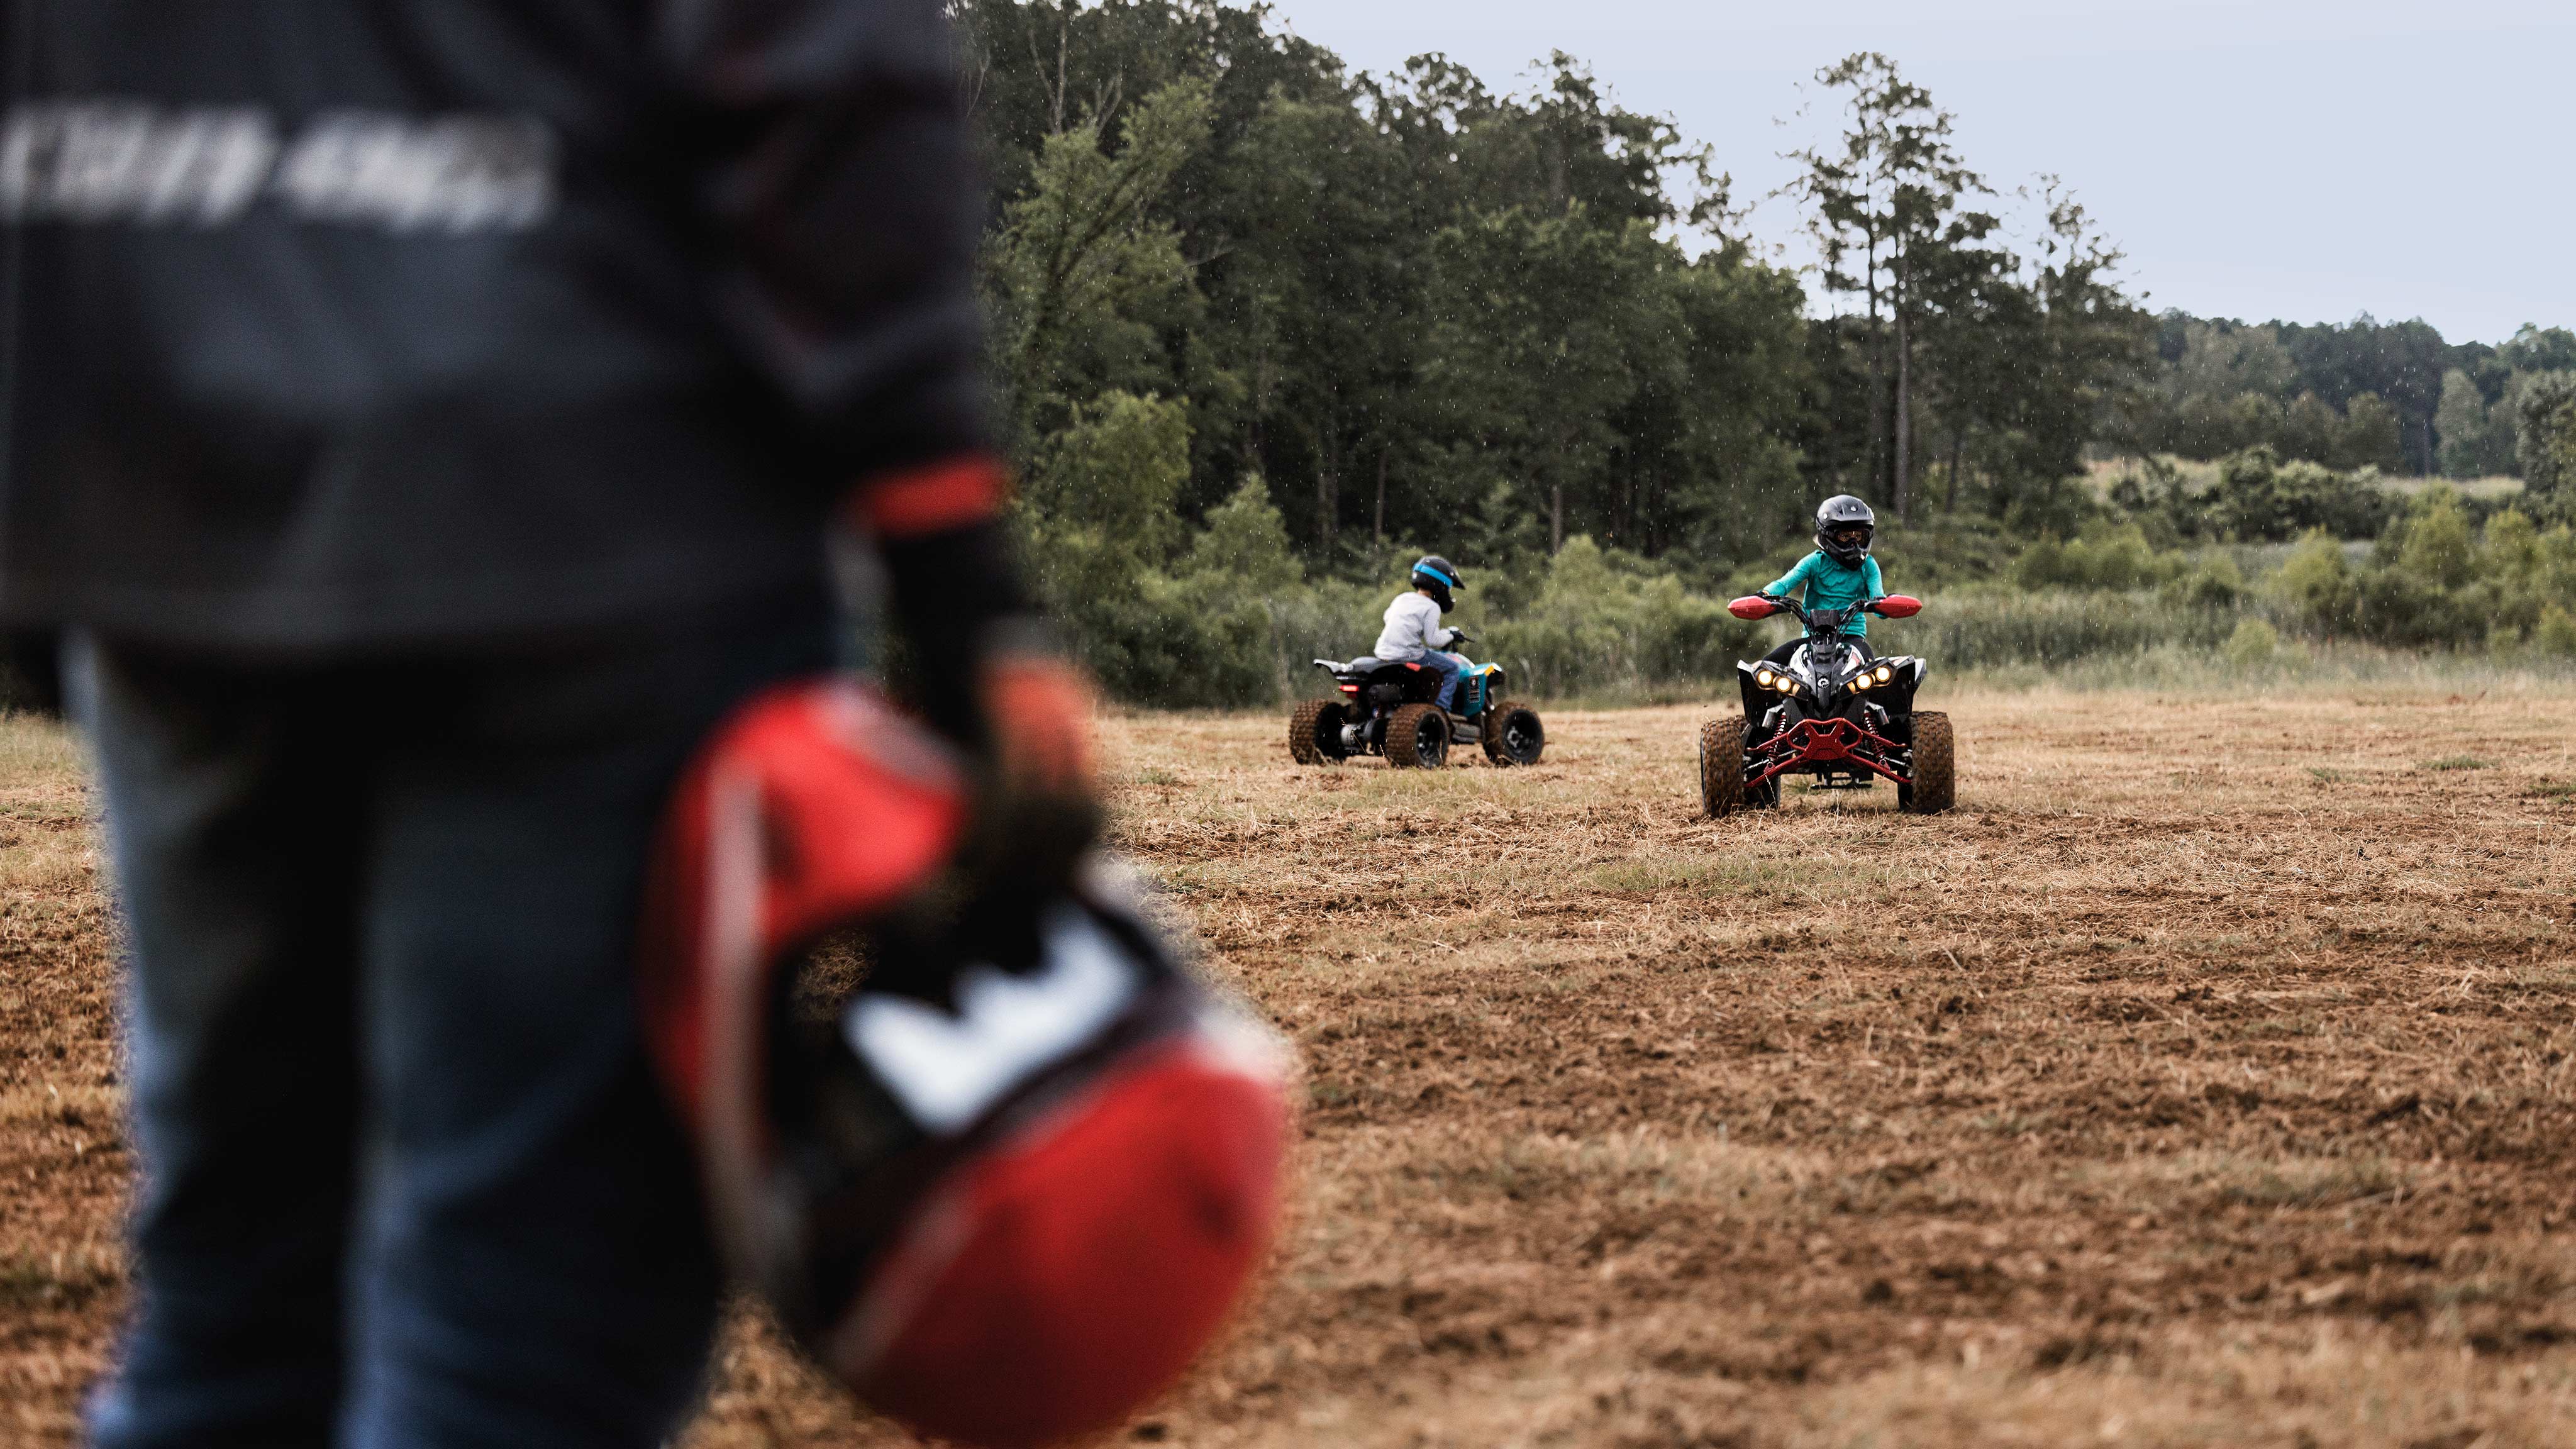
1763, 606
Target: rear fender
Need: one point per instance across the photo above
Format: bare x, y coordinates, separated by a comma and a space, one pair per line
1421, 686
1346, 686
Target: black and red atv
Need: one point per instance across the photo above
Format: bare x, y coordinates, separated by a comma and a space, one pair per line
1392, 707
1832, 712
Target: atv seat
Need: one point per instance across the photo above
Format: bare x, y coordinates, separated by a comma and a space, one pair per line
1371, 664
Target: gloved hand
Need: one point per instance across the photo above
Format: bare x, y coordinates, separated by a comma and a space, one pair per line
984, 677
1039, 810
1038, 710
1460, 636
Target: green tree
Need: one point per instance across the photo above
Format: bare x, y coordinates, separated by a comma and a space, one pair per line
2371, 436
2539, 349
1098, 497
1542, 328
2086, 348
1320, 310
1087, 283
2474, 443
1887, 204
2545, 440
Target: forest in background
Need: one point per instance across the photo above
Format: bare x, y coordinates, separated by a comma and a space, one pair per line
1267, 327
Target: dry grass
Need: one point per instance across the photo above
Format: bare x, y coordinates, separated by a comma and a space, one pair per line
2204, 1080
62, 1156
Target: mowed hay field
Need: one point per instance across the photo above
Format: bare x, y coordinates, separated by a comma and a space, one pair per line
2204, 1079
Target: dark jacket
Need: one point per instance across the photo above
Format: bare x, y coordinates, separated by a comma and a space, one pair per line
337, 323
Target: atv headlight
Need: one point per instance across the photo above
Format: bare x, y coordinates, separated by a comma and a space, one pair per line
1787, 685
1885, 673
1764, 678
1860, 680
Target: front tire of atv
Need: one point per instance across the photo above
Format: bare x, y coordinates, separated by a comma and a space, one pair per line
1315, 733
1417, 734
1936, 755
1513, 734
1721, 767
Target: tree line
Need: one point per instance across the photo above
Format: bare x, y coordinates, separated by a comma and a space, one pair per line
2392, 396
1263, 322
1421, 308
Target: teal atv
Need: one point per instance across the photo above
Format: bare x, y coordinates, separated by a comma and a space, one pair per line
1391, 707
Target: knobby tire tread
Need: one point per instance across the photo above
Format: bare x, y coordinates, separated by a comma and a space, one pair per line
1305, 725
1497, 717
1936, 758
1404, 733
1721, 767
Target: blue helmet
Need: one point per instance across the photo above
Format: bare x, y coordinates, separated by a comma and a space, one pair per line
1436, 574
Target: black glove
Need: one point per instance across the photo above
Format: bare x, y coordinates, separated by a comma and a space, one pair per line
1460, 636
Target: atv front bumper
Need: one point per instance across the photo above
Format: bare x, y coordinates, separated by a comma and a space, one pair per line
1814, 744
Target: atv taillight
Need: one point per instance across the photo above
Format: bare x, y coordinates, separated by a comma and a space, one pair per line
1350, 689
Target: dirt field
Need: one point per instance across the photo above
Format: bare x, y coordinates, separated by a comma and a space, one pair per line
2204, 1079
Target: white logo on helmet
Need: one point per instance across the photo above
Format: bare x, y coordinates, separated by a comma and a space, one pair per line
948, 1070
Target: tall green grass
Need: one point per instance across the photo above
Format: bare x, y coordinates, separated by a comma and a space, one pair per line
1965, 631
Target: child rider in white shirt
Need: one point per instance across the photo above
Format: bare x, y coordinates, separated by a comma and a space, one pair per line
1413, 632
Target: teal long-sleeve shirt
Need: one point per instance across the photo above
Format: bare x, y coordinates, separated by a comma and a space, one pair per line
1834, 586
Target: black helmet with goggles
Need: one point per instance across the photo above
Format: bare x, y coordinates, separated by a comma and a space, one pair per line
1845, 528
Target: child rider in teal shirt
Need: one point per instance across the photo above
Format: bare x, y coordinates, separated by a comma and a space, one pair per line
1839, 574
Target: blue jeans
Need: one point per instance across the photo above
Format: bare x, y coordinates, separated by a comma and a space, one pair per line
1452, 667
406, 1178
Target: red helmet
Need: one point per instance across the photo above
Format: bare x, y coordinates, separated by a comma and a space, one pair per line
1009, 1183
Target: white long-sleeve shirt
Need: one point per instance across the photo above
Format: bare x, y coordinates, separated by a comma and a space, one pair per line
1413, 628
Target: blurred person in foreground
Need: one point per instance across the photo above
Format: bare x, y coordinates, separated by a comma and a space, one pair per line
425, 421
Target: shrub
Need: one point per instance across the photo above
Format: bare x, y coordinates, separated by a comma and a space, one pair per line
2217, 584
2557, 630
1975, 631
1604, 621
2103, 558
2316, 583
2260, 498
2435, 544
2556, 633
2545, 441
2253, 645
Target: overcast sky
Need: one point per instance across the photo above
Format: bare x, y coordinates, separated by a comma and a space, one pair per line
2297, 159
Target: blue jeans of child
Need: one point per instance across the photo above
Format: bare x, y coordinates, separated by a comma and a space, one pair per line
1452, 667
406, 1177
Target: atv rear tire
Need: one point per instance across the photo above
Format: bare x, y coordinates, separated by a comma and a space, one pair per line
1721, 767
1513, 734
1936, 754
1315, 733
1418, 734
